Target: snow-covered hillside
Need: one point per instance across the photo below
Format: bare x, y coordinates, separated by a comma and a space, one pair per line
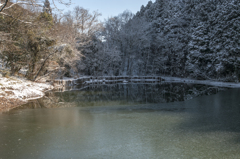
193, 39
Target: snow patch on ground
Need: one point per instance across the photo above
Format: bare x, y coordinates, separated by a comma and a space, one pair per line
22, 89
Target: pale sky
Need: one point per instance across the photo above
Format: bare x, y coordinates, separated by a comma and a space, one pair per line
108, 8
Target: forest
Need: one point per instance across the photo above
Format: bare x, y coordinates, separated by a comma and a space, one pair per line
197, 39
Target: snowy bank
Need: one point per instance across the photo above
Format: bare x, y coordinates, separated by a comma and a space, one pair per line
88, 80
15, 91
205, 82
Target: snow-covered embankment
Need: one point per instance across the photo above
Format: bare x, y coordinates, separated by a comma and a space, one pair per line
15, 91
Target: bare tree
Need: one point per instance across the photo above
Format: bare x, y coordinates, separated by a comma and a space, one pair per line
86, 23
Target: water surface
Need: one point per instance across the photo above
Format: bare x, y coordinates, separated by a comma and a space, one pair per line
126, 121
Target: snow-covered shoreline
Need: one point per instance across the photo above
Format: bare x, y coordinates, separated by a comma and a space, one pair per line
160, 79
15, 91
205, 82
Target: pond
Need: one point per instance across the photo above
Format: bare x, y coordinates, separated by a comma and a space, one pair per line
125, 121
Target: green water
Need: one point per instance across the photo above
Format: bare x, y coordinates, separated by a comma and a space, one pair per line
125, 121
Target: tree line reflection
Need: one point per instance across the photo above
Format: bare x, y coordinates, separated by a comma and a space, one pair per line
123, 94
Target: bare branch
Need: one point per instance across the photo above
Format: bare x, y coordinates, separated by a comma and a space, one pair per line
15, 18
2, 6
56, 6
37, 5
65, 3
33, 3
34, 79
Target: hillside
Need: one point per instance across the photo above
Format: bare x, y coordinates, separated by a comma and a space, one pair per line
195, 39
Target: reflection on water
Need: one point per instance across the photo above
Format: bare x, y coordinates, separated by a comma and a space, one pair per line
139, 127
123, 94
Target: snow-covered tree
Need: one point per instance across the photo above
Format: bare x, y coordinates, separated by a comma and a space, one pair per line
184, 38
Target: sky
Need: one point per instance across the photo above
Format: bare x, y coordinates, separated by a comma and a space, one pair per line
107, 8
